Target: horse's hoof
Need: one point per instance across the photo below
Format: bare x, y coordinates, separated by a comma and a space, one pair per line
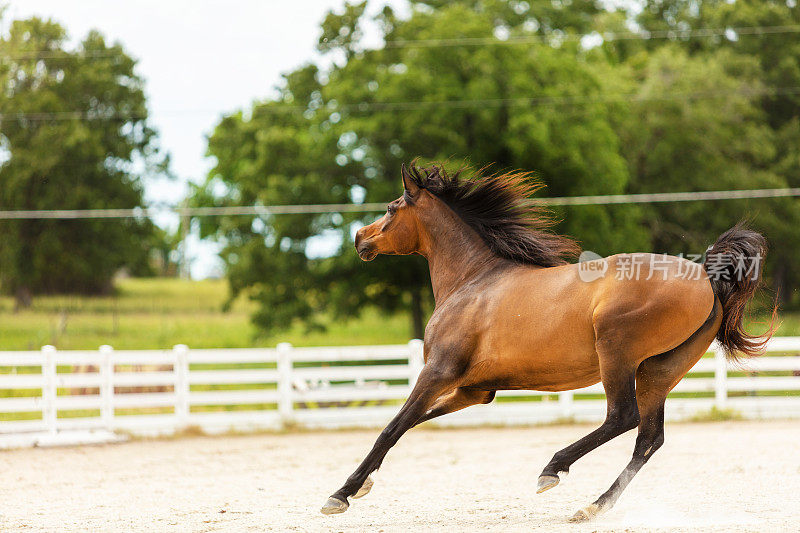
334, 506
546, 482
365, 488
587, 513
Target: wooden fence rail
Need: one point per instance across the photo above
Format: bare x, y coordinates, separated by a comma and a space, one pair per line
164, 391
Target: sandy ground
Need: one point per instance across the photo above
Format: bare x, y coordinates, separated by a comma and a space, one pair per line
730, 476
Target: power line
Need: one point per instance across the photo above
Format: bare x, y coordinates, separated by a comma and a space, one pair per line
316, 209
560, 100
69, 115
644, 35
64, 54
557, 35
661, 197
139, 212
531, 101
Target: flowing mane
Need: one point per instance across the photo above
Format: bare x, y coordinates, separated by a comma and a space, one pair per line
498, 207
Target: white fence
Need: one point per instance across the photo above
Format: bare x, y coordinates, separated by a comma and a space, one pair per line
147, 392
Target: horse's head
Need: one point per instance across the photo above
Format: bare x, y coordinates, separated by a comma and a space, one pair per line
397, 232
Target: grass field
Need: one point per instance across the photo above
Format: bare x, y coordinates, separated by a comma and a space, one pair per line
159, 313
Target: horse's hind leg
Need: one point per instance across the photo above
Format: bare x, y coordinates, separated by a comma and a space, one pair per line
649, 439
655, 377
622, 414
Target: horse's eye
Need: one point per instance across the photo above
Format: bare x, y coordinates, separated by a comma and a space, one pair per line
391, 209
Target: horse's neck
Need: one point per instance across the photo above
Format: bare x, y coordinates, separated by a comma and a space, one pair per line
456, 254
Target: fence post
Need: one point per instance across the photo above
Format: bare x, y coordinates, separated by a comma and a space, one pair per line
49, 388
416, 360
107, 387
285, 367
181, 370
565, 403
720, 377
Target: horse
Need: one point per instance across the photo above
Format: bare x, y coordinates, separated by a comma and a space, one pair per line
511, 312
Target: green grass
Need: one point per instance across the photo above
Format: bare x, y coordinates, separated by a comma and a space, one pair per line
159, 313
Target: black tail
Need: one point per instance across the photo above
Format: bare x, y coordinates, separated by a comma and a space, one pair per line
733, 265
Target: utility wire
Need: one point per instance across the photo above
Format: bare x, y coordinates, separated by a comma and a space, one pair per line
560, 100
533, 101
312, 209
64, 54
644, 35
661, 197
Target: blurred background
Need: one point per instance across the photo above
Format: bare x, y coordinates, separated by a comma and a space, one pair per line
149, 151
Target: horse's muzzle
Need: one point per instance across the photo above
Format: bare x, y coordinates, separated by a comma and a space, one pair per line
366, 250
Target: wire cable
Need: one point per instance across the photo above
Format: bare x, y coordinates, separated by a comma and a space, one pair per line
363, 107
557, 35
314, 209
730, 32
39, 55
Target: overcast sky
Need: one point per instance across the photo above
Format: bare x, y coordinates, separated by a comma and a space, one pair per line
200, 59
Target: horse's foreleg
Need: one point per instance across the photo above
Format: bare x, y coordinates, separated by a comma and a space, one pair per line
455, 401
449, 402
430, 385
622, 415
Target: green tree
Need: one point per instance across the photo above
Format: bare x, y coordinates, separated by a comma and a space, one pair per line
761, 154
341, 138
695, 123
777, 53
73, 135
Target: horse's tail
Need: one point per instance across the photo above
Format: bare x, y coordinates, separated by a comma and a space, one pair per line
733, 265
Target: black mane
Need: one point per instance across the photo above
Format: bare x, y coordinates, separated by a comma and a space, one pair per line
498, 207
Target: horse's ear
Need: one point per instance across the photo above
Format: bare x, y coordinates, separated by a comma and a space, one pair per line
409, 184
434, 174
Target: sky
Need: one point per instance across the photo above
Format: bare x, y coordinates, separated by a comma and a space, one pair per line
200, 59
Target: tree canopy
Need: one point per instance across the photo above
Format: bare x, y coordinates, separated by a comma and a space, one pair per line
73, 135
654, 115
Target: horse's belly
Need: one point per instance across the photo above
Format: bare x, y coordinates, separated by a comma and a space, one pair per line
539, 382
562, 362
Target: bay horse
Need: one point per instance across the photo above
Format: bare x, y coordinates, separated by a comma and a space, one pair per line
512, 313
